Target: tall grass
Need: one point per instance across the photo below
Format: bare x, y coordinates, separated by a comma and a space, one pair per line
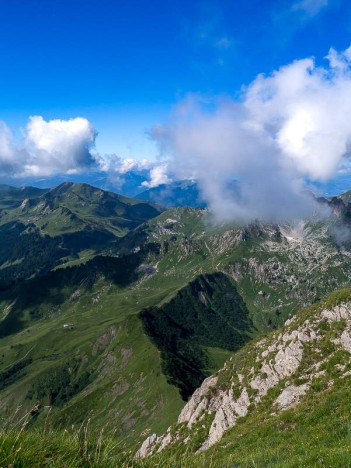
25, 446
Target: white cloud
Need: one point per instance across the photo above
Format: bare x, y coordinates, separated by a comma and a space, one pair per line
305, 110
123, 166
339, 60
158, 176
59, 145
288, 126
53, 147
48, 147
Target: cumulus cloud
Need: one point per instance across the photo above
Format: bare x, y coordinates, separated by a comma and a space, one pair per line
59, 145
304, 110
66, 147
158, 176
116, 164
291, 125
48, 147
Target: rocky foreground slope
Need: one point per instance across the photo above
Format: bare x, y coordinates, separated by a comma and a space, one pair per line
310, 355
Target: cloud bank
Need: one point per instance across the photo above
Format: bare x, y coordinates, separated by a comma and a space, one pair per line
67, 147
47, 147
289, 126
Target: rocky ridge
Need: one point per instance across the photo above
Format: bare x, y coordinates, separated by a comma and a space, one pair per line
286, 263
278, 371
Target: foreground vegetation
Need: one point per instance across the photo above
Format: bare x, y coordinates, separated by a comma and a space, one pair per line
316, 434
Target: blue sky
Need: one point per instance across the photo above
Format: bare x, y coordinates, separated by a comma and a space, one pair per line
125, 64
178, 84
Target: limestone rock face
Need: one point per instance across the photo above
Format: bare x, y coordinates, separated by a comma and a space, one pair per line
286, 361
290, 396
229, 410
342, 312
147, 446
191, 410
218, 404
346, 340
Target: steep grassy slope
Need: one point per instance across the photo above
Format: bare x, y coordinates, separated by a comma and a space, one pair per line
101, 366
277, 269
191, 280
305, 428
72, 207
12, 197
282, 400
73, 341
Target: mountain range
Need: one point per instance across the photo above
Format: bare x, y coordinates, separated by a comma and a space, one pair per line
132, 316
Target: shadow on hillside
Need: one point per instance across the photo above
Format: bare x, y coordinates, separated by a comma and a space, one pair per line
55, 287
208, 313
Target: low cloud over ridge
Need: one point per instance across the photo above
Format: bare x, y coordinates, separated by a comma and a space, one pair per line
287, 127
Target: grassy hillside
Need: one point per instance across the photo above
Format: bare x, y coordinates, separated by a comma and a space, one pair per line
277, 269
67, 225
298, 418
101, 364
73, 341
111, 314
312, 431
12, 197
71, 207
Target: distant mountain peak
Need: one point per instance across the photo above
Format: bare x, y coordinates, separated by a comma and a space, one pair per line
177, 193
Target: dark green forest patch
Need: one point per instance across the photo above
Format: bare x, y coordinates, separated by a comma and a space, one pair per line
209, 312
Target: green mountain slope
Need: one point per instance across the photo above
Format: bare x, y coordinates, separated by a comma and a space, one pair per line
282, 400
276, 269
43, 229
71, 207
207, 314
11, 197
118, 329
78, 346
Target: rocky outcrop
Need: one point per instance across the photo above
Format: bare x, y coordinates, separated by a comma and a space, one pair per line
291, 395
193, 408
278, 361
147, 446
227, 411
345, 341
